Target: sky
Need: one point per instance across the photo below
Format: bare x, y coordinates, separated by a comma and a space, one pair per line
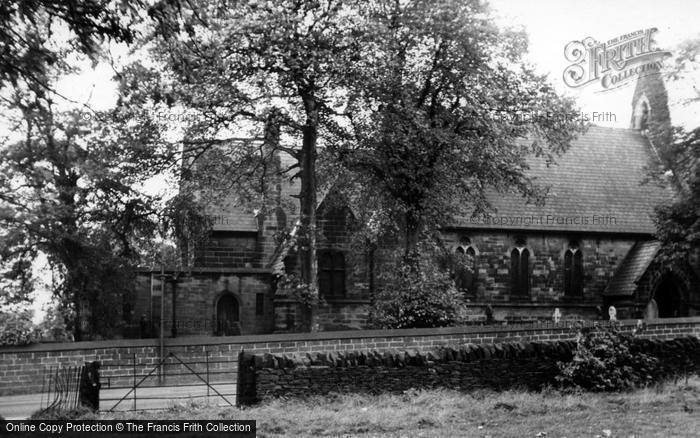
550, 25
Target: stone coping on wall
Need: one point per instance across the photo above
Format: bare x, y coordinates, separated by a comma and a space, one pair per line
329, 301
574, 302
334, 335
206, 270
466, 353
399, 358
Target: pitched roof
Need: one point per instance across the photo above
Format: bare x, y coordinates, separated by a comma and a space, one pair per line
596, 186
624, 282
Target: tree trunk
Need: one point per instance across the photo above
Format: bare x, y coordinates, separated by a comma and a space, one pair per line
75, 298
308, 204
412, 237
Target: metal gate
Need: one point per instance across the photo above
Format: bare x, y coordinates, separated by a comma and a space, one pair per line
144, 385
61, 388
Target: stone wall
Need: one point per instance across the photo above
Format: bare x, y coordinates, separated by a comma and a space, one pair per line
23, 368
231, 250
530, 365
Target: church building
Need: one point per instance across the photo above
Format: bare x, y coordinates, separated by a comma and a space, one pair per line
590, 246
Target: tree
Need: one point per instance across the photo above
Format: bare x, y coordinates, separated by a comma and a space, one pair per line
30, 31
678, 222
445, 110
16, 328
417, 294
276, 70
66, 190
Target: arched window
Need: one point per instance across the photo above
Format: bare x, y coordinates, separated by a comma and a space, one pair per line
641, 114
644, 117
331, 274
465, 269
573, 271
520, 271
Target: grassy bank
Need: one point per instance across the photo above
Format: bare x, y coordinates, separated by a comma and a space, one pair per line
666, 410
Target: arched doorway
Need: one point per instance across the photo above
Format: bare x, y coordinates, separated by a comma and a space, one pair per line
227, 316
669, 297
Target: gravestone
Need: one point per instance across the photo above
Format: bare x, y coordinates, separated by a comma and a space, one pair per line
612, 312
652, 310
556, 317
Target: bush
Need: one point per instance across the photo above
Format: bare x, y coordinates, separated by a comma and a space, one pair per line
416, 294
606, 360
17, 328
53, 327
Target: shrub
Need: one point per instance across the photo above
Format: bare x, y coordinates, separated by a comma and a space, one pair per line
606, 360
53, 326
17, 328
415, 294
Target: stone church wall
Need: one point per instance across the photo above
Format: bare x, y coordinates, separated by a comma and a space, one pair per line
196, 300
601, 257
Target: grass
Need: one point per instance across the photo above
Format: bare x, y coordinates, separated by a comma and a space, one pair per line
671, 409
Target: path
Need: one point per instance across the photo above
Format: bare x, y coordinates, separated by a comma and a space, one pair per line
17, 407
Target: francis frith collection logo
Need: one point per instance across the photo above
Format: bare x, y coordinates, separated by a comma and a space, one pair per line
613, 63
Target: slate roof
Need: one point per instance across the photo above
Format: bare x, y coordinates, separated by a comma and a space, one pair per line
624, 282
596, 186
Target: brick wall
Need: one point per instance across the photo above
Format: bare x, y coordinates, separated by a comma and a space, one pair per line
22, 368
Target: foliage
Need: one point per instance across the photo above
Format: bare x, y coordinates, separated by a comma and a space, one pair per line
686, 62
291, 286
66, 185
457, 264
53, 326
68, 191
605, 359
678, 223
17, 328
444, 109
28, 30
265, 81
414, 292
